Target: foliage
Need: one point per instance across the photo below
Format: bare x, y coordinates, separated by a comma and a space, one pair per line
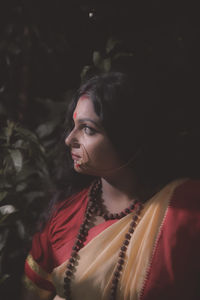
46, 49
28, 163
24, 183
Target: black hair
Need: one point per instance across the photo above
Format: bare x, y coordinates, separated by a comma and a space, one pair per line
140, 124
144, 125
113, 96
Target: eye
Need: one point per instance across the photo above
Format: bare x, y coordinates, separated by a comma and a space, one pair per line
89, 130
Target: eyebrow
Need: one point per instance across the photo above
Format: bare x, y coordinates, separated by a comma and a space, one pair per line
89, 120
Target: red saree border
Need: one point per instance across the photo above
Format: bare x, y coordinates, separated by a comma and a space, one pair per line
38, 279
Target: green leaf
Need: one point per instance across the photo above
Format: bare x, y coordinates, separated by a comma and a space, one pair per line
46, 129
84, 72
17, 159
111, 44
3, 195
19, 144
97, 59
107, 64
8, 131
28, 134
30, 137
3, 278
8, 164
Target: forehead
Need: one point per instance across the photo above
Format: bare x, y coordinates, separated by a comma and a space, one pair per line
85, 109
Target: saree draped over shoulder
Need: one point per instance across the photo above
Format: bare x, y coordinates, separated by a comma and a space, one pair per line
162, 259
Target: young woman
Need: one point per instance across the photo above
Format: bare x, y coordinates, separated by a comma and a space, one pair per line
130, 228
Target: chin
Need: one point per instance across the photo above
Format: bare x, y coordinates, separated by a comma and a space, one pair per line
80, 169
84, 170
77, 168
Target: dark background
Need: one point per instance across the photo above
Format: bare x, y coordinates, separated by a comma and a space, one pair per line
46, 49
45, 44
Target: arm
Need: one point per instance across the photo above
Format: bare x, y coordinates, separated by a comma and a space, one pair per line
31, 292
27, 294
36, 282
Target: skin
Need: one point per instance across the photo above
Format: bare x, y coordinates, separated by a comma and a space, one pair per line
98, 157
89, 141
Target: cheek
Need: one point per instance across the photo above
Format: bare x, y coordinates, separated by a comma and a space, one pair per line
101, 151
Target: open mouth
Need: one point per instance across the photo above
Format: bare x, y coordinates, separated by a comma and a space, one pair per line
77, 159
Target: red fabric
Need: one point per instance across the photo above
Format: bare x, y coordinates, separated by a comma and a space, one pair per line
39, 281
174, 272
175, 265
53, 246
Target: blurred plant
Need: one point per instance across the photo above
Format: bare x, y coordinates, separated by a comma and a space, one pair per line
114, 56
24, 185
42, 52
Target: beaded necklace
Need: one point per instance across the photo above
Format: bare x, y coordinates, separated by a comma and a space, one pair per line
91, 210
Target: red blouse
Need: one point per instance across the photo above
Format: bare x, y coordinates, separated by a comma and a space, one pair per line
174, 271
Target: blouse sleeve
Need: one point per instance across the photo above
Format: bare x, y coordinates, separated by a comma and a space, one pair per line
39, 266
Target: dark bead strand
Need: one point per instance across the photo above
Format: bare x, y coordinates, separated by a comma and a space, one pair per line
122, 254
114, 216
82, 235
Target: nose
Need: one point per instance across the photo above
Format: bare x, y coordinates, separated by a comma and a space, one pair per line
72, 140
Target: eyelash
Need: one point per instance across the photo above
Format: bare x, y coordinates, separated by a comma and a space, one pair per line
86, 127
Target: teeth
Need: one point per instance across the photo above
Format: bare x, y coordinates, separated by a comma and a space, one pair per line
78, 162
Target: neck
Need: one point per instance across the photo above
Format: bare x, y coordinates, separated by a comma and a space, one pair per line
120, 188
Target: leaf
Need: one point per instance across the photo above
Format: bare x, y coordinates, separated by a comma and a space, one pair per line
84, 72
27, 171
28, 134
19, 143
8, 219
4, 184
3, 195
3, 238
3, 278
21, 187
8, 130
7, 209
32, 139
2, 89
111, 44
17, 159
8, 164
20, 229
97, 60
46, 129
107, 64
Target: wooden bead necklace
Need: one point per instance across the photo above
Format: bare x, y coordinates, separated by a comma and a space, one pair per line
91, 210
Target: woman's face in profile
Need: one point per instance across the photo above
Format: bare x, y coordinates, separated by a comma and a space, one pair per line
91, 149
